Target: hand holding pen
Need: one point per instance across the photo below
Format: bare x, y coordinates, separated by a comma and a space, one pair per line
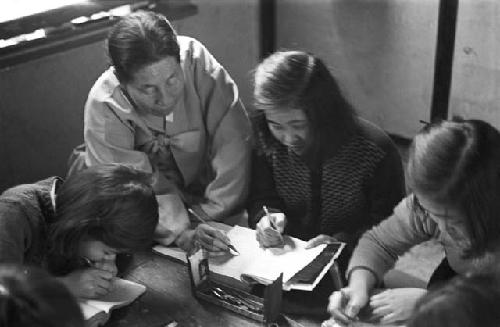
212, 239
270, 228
345, 304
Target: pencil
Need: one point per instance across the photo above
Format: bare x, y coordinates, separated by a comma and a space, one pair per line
197, 216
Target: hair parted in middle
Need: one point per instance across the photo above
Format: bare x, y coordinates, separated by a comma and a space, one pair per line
299, 80
457, 163
138, 40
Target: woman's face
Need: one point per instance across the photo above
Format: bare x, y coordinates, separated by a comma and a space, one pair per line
156, 88
290, 127
95, 250
448, 219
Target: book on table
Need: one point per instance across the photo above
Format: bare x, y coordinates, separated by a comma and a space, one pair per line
97, 311
302, 268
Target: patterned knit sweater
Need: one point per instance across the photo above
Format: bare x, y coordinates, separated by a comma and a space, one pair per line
354, 189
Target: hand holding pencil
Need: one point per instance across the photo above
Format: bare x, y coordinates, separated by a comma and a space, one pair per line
212, 239
270, 228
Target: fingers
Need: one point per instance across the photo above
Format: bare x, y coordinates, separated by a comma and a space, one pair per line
382, 311
320, 239
263, 223
278, 221
104, 284
96, 274
389, 318
380, 299
336, 307
331, 323
314, 242
217, 234
269, 238
352, 310
96, 282
266, 235
212, 239
107, 265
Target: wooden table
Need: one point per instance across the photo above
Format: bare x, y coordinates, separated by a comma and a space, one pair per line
168, 298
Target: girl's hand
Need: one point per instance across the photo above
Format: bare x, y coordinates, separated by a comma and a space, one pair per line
345, 304
269, 230
108, 263
395, 304
88, 283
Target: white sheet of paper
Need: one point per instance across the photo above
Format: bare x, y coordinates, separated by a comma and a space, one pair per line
172, 252
124, 292
264, 263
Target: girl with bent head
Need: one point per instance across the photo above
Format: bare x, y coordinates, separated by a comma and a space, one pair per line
77, 227
454, 174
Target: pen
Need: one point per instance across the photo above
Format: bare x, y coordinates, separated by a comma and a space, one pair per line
230, 246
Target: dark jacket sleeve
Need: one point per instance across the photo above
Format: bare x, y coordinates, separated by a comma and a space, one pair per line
262, 190
14, 233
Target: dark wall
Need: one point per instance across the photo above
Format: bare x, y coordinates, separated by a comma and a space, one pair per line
41, 112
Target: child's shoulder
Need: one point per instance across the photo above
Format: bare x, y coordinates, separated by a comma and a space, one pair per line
27, 196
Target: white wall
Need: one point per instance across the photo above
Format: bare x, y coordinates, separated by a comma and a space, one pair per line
381, 51
475, 89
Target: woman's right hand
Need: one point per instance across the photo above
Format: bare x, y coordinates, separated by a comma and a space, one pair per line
269, 230
345, 304
211, 239
88, 283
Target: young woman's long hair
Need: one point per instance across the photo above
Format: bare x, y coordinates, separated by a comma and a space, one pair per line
30, 297
457, 163
299, 80
114, 204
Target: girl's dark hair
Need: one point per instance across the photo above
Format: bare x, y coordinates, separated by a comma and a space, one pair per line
31, 297
463, 302
114, 204
457, 163
140, 39
299, 80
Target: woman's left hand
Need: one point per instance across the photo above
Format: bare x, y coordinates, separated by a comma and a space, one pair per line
395, 304
320, 239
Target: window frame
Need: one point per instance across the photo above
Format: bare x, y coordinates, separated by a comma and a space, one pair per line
62, 34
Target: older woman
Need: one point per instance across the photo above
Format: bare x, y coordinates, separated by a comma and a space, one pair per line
322, 172
166, 106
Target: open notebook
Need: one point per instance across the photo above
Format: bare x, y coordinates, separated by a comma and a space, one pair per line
302, 268
264, 265
97, 311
